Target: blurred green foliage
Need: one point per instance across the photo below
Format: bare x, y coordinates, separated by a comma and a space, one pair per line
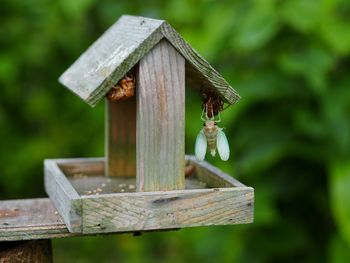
290, 133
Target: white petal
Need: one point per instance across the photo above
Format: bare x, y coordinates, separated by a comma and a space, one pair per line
201, 146
222, 146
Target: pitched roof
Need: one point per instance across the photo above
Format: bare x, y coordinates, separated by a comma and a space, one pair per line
109, 58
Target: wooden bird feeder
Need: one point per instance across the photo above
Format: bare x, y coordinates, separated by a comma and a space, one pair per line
140, 185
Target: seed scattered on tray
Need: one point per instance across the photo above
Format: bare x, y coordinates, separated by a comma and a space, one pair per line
79, 175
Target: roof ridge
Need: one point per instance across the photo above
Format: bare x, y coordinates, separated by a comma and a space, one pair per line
130, 38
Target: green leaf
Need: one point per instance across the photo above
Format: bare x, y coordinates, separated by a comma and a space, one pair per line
335, 25
339, 251
340, 196
76, 7
312, 62
255, 27
336, 110
300, 14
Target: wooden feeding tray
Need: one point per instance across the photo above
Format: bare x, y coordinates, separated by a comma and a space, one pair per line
140, 67
90, 202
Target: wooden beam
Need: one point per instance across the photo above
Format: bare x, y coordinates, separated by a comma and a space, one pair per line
63, 195
27, 219
32, 219
121, 137
161, 120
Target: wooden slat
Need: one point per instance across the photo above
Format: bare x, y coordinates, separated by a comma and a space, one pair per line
211, 175
111, 57
85, 166
161, 120
121, 137
30, 219
162, 210
65, 198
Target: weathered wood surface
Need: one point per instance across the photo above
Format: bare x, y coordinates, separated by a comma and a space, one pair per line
122, 46
120, 137
38, 251
92, 185
211, 175
160, 120
199, 73
229, 202
111, 57
65, 198
30, 219
86, 176
84, 166
163, 210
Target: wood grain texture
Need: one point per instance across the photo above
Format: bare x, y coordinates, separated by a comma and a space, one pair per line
121, 137
65, 198
226, 201
198, 71
111, 57
161, 120
122, 46
38, 251
30, 219
84, 166
172, 209
211, 175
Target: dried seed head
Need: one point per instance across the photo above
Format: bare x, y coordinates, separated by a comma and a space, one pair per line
125, 88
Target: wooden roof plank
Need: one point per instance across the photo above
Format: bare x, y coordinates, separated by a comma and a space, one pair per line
108, 59
208, 73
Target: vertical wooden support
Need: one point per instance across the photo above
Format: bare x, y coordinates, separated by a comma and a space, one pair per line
160, 120
26, 251
121, 137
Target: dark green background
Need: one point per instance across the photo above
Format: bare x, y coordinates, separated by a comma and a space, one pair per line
289, 135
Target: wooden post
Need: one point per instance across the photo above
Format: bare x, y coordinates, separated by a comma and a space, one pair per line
121, 137
26, 251
160, 151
